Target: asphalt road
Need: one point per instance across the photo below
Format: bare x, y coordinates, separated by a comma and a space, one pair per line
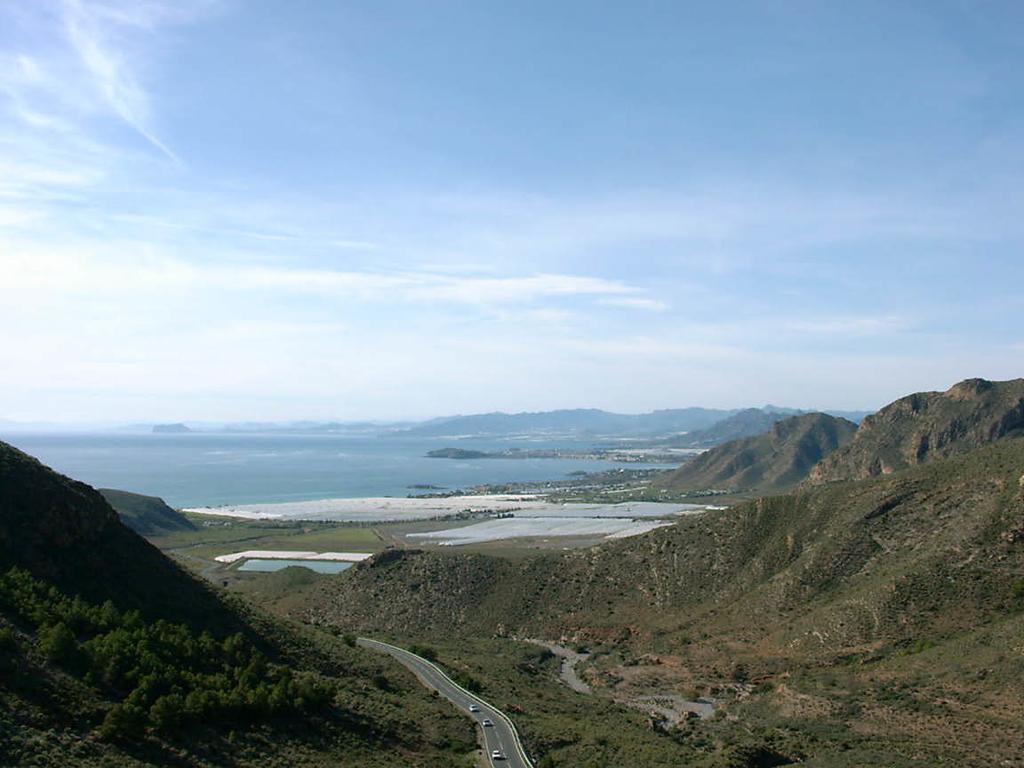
502, 735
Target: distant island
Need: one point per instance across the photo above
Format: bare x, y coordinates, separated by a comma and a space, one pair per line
460, 453
170, 429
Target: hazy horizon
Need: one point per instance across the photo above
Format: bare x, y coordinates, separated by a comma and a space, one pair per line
371, 420
219, 211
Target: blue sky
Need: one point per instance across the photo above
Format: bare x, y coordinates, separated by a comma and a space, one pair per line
227, 210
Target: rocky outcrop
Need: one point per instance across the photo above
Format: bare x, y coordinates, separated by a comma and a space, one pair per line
926, 426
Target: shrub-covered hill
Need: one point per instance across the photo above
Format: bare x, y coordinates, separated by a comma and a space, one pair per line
773, 461
927, 426
933, 549
112, 655
875, 622
146, 515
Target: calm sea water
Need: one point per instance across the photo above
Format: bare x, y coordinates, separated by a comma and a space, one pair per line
269, 566
206, 469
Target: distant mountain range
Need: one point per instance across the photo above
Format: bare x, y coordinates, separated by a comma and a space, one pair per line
702, 426
578, 422
686, 427
745, 423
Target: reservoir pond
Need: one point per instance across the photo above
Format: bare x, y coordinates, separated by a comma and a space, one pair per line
269, 566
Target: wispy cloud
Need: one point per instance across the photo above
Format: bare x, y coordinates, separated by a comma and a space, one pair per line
635, 302
850, 326
80, 71
77, 271
93, 30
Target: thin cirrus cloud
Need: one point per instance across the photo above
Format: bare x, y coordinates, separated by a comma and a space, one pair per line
92, 29
635, 302
850, 326
72, 272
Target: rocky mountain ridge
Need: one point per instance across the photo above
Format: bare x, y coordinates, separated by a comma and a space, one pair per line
928, 426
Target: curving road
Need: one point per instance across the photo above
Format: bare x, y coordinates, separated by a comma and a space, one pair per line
500, 736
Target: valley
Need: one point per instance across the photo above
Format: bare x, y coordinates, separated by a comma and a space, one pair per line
794, 620
511, 385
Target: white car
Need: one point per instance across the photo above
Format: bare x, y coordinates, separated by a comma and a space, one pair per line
487, 723
497, 754
474, 708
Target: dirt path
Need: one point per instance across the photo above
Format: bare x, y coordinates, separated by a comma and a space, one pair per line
570, 659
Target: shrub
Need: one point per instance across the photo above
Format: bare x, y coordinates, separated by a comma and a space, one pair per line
59, 644
123, 721
7, 639
1017, 590
425, 651
920, 646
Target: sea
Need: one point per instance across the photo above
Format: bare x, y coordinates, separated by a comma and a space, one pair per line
212, 469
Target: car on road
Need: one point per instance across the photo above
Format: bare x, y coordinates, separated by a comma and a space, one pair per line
497, 754
474, 708
487, 723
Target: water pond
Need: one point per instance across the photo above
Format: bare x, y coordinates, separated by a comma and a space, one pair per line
269, 566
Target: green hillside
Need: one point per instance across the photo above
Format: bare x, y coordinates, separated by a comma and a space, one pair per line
775, 460
146, 515
927, 426
112, 655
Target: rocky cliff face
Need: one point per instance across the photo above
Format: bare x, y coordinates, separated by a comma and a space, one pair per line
926, 426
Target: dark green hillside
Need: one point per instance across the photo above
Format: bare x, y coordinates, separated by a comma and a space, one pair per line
111, 655
146, 515
927, 426
776, 460
66, 533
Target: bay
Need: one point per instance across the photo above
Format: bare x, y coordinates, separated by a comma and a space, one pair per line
210, 469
